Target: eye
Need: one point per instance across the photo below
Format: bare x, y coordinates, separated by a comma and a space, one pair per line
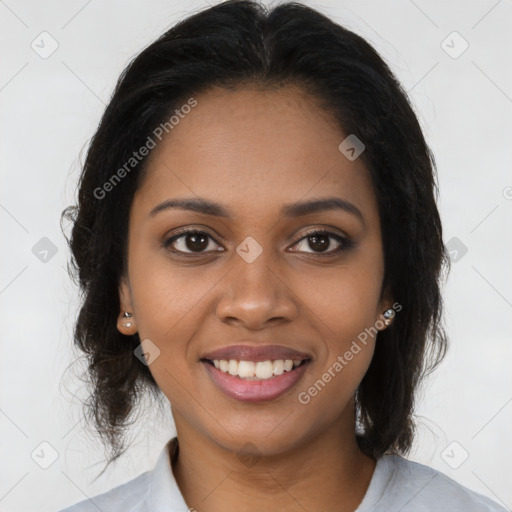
320, 241
189, 241
194, 241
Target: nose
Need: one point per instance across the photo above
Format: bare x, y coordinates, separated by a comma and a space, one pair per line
255, 295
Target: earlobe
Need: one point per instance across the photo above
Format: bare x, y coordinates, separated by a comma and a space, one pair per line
126, 319
388, 316
387, 308
385, 319
126, 323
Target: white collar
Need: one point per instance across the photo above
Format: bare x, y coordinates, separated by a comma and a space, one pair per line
163, 491
164, 494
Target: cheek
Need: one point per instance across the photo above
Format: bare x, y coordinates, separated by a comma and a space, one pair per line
165, 296
346, 327
343, 308
344, 299
326, 395
170, 304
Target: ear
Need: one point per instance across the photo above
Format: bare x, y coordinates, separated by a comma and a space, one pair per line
388, 306
126, 318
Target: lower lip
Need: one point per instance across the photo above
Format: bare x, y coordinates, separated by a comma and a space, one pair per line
255, 390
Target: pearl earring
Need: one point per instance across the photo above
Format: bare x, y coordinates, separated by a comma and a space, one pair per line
127, 315
389, 314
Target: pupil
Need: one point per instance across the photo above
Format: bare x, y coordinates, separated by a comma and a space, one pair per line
322, 245
194, 245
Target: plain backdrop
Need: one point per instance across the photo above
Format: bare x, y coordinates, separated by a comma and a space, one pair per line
453, 58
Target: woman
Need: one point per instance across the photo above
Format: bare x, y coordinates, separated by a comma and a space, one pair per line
257, 239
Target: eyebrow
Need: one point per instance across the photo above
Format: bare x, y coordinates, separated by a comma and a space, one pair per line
298, 209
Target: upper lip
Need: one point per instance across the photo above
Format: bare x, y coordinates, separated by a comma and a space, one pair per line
255, 353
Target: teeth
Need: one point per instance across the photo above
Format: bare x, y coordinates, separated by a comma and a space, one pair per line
245, 368
278, 367
233, 367
264, 369
256, 370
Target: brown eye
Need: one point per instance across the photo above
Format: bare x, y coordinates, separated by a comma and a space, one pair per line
190, 241
321, 243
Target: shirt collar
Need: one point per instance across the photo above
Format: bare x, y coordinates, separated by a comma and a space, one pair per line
164, 493
382, 475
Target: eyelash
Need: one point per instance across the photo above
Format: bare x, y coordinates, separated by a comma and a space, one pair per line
345, 242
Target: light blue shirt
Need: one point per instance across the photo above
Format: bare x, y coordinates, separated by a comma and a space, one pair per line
397, 484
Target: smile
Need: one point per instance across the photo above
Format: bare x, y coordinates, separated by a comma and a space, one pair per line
255, 369
255, 381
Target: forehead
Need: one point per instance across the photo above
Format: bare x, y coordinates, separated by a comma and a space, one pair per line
254, 149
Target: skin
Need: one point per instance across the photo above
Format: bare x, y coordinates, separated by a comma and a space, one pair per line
253, 151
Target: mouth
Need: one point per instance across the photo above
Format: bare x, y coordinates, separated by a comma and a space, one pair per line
255, 381
256, 370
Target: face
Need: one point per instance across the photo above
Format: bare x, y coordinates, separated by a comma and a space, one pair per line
261, 275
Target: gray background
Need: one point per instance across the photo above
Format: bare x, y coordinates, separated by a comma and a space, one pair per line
49, 109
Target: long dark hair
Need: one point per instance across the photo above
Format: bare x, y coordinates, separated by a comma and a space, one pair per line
237, 42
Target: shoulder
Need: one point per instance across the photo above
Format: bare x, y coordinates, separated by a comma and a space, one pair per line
152, 491
417, 488
128, 497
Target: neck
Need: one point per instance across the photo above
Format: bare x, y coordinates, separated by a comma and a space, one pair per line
323, 473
